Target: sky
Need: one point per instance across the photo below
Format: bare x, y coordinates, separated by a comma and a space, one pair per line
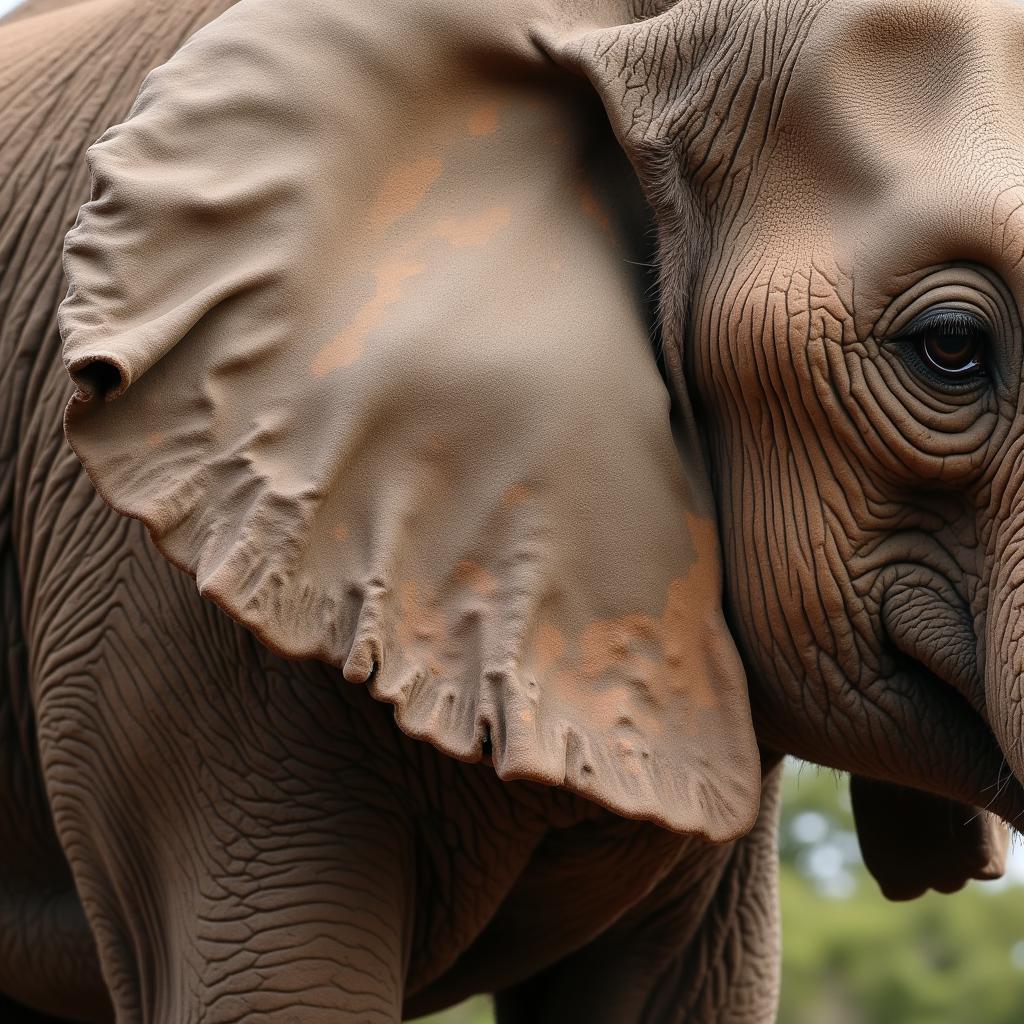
8, 5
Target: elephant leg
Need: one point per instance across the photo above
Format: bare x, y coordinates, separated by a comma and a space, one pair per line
311, 930
233, 821
257, 898
702, 949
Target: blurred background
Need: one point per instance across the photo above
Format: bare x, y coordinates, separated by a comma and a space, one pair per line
851, 957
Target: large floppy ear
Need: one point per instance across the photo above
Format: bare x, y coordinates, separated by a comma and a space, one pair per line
913, 841
357, 333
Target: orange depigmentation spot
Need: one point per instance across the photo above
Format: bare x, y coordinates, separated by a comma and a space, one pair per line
638, 664
685, 640
516, 495
421, 628
403, 190
684, 645
611, 643
341, 532
549, 646
593, 209
483, 120
154, 440
606, 707
461, 232
347, 346
476, 577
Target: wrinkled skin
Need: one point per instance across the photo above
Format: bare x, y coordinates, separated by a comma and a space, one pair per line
877, 525
196, 828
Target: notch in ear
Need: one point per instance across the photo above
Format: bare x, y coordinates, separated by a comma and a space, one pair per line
913, 841
358, 336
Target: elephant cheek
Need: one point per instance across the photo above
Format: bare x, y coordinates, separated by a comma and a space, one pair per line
1004, 653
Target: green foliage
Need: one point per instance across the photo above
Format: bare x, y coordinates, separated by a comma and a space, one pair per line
936, 960
862, 960
851, 957
474, 1011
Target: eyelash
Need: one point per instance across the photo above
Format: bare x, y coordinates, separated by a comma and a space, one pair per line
951, 321
947, 323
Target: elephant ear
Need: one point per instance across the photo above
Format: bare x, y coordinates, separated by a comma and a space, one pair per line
357, 334
913, 841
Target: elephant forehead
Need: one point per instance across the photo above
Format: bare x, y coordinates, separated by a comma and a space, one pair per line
909, 75
900, 143
890, 95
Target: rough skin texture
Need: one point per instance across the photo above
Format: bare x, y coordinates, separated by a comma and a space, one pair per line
248, 834
356, 338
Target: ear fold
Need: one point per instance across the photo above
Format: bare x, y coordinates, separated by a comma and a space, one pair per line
913, 841
357, 335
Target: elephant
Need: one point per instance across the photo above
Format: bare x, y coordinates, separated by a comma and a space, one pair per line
474, 444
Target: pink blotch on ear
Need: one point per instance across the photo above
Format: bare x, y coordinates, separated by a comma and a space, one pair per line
682, 612
483, 120
516, 495
688, 598
548, 646
461, 232
659, 655
421, 628
608, 643
476, 578
347, 346
403, 190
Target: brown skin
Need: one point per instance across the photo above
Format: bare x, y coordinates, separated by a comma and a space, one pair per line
30, 8
249, 835
235, 797
879, 580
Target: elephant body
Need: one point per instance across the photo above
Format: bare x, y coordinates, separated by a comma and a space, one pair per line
500, 432
384, 871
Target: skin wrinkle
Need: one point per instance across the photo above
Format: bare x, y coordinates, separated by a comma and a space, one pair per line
158, 998
235, 822
732, 458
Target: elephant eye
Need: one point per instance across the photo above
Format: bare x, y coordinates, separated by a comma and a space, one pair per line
950, 345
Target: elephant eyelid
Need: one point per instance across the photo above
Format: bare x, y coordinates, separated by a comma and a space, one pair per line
957, 322
925, 344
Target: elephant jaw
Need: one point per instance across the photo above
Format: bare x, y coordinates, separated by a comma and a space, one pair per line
913, 841
980, 704
1004, 684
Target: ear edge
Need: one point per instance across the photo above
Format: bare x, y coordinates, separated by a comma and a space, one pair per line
694, 804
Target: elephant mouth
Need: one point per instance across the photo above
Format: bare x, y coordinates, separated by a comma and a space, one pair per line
974, 770
958, 755
930, 626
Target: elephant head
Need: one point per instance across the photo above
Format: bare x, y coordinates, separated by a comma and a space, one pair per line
359, 333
